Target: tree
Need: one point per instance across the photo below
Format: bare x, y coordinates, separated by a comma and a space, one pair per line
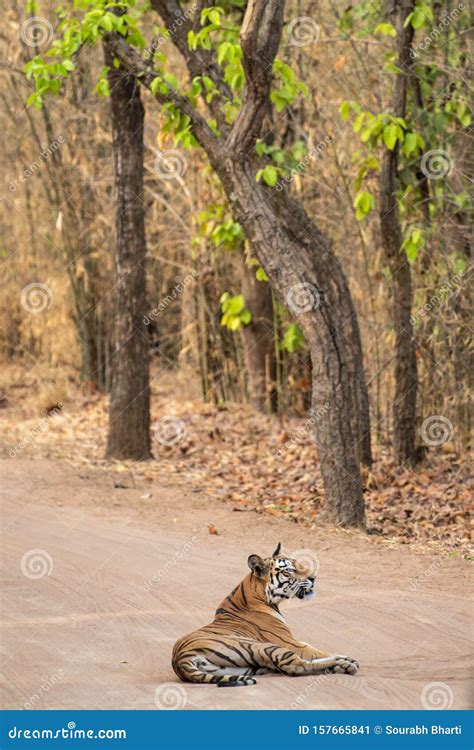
129, 411
406, 379
297, 258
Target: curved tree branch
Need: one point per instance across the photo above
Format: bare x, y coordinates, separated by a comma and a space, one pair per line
259, 38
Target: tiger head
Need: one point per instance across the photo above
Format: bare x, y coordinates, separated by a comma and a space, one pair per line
283, 577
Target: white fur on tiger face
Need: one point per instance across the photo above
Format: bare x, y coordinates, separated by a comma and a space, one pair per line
289, 579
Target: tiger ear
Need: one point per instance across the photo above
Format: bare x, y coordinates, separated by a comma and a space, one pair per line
277, 551
257, 566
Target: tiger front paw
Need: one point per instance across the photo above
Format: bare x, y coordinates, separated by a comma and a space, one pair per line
345, 665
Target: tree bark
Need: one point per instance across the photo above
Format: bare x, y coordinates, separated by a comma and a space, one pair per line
308, 270
258, 341
406, 378
129, 411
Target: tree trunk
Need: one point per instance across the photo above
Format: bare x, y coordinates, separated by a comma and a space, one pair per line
406, 378
309, 281
258, 341
129, 411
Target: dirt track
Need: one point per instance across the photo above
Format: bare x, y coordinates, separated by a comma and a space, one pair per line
93, 634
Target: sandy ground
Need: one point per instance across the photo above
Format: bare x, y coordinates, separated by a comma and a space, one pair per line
84, 625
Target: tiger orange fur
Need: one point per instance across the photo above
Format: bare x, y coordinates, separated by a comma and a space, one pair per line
249, 635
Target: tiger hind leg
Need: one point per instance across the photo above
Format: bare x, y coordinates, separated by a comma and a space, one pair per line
203, 670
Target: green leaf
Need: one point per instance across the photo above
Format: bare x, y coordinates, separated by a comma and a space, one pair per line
386, 29
364, 202
390, 135
344, 110
261, 275
293, 338
268, 174
107, 22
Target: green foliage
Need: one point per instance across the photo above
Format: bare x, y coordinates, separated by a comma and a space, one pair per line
364, 203
268, 174
436, 124
293, 338
285, 161
216, 225
420, 16
234, 312
385, 29
48, 71
413, 242
288, 88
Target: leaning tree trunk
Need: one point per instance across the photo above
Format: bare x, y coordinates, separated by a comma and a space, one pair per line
297, 259
406, 378
258, 341
309, 282
129, 412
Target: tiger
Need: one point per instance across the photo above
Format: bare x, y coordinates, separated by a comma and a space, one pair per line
249, 635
